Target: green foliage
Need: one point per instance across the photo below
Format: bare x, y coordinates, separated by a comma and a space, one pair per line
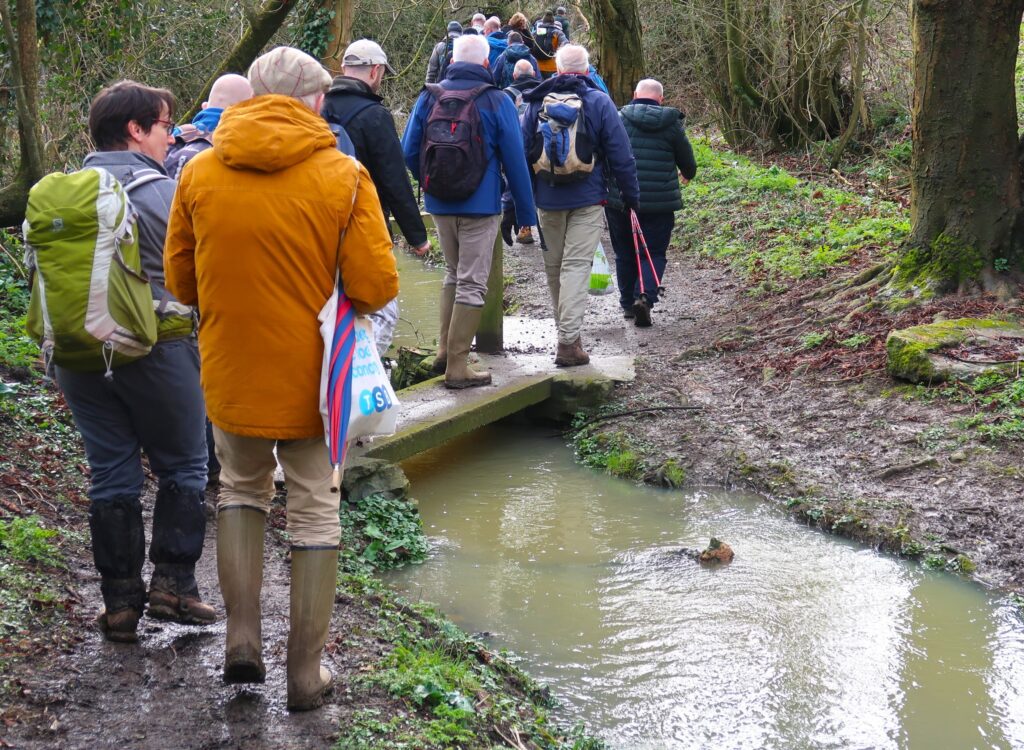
16, 349
27, 540
612, 452
1001, 265
313, 31
771, 227
856, 341
380, 533
813, 339
998, 403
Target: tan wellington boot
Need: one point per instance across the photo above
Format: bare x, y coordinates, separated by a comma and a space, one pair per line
314, 581
240, 570
447, 304
465, 320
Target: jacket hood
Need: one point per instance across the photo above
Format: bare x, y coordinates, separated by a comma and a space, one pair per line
562, 84
517, 52
651, 117
122, 163
349, 85
269, 133
463, 71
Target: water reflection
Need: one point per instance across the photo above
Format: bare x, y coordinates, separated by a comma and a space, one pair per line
804, 641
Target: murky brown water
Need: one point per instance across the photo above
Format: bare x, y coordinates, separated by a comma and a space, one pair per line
804, 641
417, 302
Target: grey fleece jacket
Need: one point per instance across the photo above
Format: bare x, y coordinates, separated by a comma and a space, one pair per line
152, 202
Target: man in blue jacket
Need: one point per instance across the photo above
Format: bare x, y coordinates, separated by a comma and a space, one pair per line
467, 227
571, 185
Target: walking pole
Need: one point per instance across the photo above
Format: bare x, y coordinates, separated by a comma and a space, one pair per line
638, 242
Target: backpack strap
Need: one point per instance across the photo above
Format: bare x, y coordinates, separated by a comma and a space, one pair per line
349, 116
143, 177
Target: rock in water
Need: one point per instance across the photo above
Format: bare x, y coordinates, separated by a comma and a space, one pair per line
717, 552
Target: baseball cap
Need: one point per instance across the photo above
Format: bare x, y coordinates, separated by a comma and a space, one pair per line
288, 71
365, 52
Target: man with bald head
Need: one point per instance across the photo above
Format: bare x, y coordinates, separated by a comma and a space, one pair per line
191, 139
659, 144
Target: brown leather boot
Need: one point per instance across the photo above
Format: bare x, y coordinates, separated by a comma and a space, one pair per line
447, 304
314, 582
240, 570
459, 374
571, 355
119, 626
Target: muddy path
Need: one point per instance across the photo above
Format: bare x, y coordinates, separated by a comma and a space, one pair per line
847, 455
166, 691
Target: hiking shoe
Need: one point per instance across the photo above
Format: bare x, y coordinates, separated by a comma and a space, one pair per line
571, 355
120, 625
186, 609
642, 314
627, 313
525, 236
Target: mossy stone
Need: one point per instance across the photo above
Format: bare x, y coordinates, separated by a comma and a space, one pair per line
915, 354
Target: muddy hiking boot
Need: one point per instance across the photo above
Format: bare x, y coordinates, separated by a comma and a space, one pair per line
571, 355
314, 583
240, 570
447, 305
458, 373
179, 527
119, 549
642, 313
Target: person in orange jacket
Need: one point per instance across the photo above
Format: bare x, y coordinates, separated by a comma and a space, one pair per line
259, 226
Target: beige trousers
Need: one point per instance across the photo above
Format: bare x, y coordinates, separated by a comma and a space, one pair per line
247, 478
571, 237
468, 246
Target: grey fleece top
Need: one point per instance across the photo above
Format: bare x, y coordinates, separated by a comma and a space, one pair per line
152, 202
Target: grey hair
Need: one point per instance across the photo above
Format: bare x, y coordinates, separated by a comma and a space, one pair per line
471, 48
523, 67
572, 58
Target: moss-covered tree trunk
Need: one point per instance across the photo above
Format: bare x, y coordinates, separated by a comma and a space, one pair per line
263, 24
965, 176
617, 31
20, 35
339, 33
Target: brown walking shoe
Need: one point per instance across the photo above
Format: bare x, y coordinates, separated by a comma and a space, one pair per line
571, 355
187, 609
120, 625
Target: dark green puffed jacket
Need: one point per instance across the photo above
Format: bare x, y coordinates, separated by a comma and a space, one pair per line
661, 147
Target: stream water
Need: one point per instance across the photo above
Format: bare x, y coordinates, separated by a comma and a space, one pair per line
417, 302
804, 641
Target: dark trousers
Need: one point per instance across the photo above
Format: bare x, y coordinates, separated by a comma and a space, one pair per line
154, 404
657, 229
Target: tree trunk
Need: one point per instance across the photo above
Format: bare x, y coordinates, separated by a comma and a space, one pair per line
619, 46
965, 177
339, 33
263, 24
25, 71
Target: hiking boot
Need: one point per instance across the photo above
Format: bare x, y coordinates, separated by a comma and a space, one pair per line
627, 313
314, 581
459, 374
447, 304
642, 313
119, 625
525, 236
571, 355
188, 609
240, 532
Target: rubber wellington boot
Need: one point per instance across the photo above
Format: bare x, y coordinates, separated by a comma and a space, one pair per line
447, 304
240, 570
314, 581
459, 374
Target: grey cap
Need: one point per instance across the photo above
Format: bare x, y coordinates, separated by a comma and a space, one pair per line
365, 52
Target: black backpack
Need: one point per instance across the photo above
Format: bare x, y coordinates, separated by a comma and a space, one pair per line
545, 38
453, 158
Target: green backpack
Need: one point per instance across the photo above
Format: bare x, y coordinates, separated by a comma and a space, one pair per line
92, 305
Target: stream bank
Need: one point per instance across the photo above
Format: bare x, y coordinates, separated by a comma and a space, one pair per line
794, 401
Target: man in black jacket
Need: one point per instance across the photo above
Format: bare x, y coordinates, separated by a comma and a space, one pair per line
660, 145
353, 103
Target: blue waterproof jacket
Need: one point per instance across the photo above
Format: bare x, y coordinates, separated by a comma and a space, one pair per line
503, 148
610, 140
498, 42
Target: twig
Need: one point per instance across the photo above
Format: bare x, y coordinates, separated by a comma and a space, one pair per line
631, 412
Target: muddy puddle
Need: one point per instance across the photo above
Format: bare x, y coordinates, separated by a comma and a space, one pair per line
804, 641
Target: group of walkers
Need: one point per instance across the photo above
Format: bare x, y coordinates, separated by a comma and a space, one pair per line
245, 219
